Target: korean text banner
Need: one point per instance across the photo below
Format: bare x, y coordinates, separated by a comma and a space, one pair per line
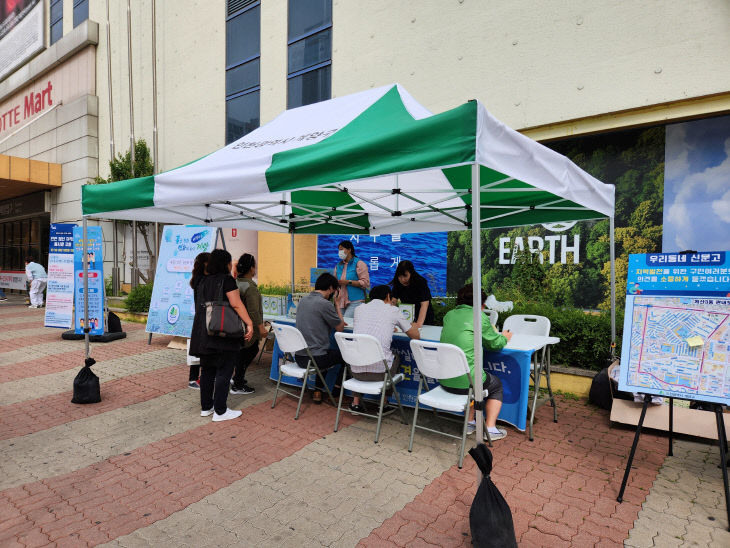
677, 326
95, 260
60, 290
172, 306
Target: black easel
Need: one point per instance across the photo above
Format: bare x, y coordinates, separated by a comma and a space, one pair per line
721, 438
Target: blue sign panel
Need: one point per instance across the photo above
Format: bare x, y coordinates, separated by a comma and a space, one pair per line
676, 339
95, 262
382, 253
172, 306
60, 289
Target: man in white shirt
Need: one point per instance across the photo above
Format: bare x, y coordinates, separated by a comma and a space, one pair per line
37, 276
379, 318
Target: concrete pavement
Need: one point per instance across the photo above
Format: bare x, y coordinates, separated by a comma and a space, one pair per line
142, 468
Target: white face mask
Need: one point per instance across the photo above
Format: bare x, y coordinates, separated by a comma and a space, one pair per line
342, 254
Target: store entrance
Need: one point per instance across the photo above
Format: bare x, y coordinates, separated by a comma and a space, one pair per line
23, 238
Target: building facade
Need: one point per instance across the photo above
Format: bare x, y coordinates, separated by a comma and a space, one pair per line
223, 67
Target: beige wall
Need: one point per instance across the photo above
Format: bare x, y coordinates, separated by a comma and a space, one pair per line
190, 78
534, 63
274, 257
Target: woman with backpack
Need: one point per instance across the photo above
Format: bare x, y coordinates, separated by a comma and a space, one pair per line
353, 276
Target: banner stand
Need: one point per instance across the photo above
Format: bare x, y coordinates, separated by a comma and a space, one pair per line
721, 440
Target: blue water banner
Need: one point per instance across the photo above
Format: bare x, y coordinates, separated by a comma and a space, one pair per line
95, 261
60, 289
172, 307
382, 253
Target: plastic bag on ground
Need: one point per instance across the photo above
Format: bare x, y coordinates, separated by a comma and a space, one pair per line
490, 517
86, 385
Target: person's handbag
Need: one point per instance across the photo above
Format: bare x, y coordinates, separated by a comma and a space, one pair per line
220, 318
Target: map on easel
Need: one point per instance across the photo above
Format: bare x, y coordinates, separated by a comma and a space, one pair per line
676, 338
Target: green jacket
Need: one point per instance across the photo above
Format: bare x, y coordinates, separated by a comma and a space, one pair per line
459, 330
252, 300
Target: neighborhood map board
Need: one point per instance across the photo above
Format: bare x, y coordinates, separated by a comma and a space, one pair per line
661, 360
677, 345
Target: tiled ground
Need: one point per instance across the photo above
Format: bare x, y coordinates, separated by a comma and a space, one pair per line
142, 468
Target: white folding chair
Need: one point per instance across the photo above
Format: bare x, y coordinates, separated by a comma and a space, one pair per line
360, 350
290, 341
442, 361
526, 324
269, 336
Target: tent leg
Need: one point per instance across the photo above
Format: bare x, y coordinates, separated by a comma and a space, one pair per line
291, 245
613, 288
476, 274
85, 247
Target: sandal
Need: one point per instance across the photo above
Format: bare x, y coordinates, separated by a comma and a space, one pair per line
317, 396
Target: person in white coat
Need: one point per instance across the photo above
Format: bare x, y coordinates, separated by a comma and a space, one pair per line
38, 278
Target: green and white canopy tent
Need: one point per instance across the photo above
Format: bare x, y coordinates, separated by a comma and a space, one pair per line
369, 163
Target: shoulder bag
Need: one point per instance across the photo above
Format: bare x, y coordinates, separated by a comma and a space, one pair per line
220, 318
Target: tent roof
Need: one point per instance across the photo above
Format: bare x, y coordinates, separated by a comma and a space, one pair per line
372, 162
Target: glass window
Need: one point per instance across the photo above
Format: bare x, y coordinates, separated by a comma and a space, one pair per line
243, 71
243, 36
242, 77
81, 11
56, 20
310, 51
310, 87
306, 16
242, 115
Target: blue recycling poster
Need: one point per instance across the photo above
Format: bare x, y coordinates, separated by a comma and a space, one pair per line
95, 260
383, 252
172, 307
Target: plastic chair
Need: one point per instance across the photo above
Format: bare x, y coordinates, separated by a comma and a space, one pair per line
442, 361
291, 340
526, 324
360, 350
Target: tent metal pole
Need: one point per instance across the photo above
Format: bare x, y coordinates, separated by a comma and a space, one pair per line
291, 245
109, 84
476, 274
115, 269
134, 254
85, 261
613, 287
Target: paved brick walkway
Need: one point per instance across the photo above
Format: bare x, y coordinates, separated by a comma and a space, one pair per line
142, 468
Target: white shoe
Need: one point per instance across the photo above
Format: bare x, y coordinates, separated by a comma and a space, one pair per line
34, 306
206, 412
498, 435
228, 415
471, 427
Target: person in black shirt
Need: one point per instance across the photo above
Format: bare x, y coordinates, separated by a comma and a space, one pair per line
196, 277
411, 288
218, 355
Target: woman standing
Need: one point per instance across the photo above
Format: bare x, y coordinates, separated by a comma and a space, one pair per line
218, 355
353, 275
251, 298
411, 288
198, 272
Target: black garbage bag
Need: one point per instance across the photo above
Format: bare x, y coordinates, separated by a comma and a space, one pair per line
490, 517
600, 393
86, 385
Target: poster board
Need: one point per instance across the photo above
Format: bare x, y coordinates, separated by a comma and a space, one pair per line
60, 289
95, 259
172, 306
676, 339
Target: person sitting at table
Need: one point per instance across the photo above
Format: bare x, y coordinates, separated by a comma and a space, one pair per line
459, 330
379, 318
316, 318
353, 276
411, 288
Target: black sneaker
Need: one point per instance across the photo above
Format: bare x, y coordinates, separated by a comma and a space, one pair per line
245, 389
